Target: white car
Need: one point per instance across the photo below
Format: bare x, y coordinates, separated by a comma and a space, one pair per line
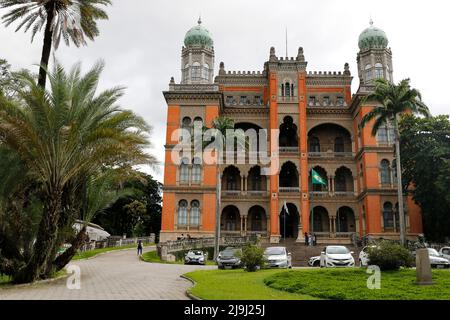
336, 256
278, 257
445, 252
314, 261
364, 256
436, 260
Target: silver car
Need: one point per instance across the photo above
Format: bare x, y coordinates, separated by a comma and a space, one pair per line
195, 257
229, 258
437, 260
278, 257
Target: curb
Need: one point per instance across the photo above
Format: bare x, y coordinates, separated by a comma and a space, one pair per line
35, 283
187, 292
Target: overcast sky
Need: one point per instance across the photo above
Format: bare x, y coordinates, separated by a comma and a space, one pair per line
141, 44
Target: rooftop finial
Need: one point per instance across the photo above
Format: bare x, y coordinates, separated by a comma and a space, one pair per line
371, 22
199, 19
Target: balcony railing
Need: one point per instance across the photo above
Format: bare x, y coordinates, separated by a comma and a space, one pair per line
231, 192
344, 194
319, 194
287, 99
289, 189
257, 192
288, 149
331, 154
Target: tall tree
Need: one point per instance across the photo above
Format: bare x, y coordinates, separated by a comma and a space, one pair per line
71, 20
425, 148
393, 101
64, 136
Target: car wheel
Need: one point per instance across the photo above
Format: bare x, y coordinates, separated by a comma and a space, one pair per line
316, 264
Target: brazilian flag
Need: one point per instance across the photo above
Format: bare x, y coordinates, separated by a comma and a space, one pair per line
317, 179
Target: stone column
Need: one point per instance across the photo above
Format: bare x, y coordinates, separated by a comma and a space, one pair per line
245, 225
353, 145
331, 224
332, 185
334, 226
242, 225
242, 183
355, 186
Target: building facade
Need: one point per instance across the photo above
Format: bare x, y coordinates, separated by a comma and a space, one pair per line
313, 118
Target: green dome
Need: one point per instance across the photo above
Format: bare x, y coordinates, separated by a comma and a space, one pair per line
198, 36
372, 37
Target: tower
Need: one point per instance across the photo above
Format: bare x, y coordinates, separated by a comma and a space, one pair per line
374, 58
197, 57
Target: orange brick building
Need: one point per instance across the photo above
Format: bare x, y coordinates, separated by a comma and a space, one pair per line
317, 119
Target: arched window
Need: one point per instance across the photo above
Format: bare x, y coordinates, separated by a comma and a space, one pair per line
195, 214
287, 89
382, 135
385, 172
186, 123
196, 72
388, 215
184, 170
379, 71
196, 170
186, 72
339, 144
368, 70
314, 144
182, 213
205, 72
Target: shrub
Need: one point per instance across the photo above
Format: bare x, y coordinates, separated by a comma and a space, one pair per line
252, 257
389, 256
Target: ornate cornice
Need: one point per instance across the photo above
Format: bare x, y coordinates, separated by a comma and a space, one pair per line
246, 110
328, 110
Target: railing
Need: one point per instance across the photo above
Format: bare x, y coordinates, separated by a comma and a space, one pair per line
287, 99
322, 234
257, 192
188, 244
289, 189
288, 150
232, 192
348, 235
344, 194
319, 194
331, 154
115, 241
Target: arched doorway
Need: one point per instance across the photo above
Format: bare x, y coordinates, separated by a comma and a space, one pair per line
289, 221
230, 219
257, 220
320, 219
345, 220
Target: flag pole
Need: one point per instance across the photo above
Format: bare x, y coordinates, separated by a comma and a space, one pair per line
311, 205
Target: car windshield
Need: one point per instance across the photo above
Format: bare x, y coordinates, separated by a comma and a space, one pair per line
229, 252
433, 252
195, 253
274, 251
337, 250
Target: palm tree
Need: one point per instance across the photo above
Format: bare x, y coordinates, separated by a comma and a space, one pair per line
394, 100
71, 20
64, 136
221, 124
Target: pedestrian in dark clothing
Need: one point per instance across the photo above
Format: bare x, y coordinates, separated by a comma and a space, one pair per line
314, 239
306, 238
139, 248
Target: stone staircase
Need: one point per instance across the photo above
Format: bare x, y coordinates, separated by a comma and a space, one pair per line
301, 253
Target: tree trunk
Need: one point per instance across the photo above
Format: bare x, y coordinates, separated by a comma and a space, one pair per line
399, 184
218, 195
46, 237
47, 47
61, 261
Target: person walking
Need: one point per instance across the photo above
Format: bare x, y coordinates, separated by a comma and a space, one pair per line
139, 248
314, 239
310, 240
306, 238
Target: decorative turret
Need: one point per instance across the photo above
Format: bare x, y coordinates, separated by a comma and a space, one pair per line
374, 58
197, 56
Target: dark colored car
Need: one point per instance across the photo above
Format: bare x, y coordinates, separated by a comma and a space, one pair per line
195, 257
229, 258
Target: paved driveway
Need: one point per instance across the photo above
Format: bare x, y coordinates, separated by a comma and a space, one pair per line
114, 275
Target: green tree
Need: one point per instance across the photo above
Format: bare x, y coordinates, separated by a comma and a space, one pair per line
71, 20
393, 101
425, 148
144, 189
64, 136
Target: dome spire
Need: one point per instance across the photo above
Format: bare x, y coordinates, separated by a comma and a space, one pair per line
371, 22
199, 19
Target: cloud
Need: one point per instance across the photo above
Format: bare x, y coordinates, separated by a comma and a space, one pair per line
141, 44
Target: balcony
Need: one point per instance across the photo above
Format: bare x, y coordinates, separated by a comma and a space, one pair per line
289, 189
287, 99
288, 150
331, 154
336, 194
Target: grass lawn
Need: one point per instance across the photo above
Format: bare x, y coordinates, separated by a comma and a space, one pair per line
92, 253
352, 284
4, 280
238, 285
152, 256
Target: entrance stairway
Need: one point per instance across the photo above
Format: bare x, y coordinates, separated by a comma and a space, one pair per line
301, 253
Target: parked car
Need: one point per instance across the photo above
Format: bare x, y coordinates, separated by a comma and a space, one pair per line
364, 256
336, 256
195, 257
278, 257
437, 260
314, 261
445, 252
229, 258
